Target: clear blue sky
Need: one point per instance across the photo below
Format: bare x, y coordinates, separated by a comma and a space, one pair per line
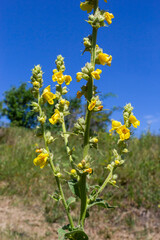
35, 31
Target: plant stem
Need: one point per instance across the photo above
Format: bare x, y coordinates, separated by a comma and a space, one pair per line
54, 172
104, 184
83, 199
87, 127
66, 143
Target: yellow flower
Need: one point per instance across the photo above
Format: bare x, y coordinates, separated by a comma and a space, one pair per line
105, 59
116, 124
123, 132
105, 1
67, 103
134, 121
88, 170
95, 140
41, 160
59, 77
54, 71
79, 94
86, 7
73, 171
92, 105
117, 162
55, 117
79, 76
36, 84
80, 165
39, 150
67, 79
48, 95
96, 74
63, 101
100, 108
108, 17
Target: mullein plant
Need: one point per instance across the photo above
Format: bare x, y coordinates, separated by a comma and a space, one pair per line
80, 172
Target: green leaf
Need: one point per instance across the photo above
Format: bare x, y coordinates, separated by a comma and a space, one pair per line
76, 235
56, 196
62, 232
94, 189
70, 200
100, 202
74, 187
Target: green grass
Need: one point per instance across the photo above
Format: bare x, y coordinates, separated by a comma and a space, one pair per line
138, 179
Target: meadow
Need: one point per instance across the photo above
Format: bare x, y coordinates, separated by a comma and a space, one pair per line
26, 185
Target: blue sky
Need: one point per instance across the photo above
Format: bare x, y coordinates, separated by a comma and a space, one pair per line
35, 31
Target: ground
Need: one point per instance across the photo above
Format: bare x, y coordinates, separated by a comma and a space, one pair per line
28, 222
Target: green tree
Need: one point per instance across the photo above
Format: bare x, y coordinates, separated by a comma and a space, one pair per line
16, 106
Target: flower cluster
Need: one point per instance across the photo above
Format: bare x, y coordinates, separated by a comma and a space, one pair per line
36, 79
95, 104
129, 118
84, 166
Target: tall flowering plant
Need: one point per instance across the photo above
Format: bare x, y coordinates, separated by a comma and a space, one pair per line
80, 171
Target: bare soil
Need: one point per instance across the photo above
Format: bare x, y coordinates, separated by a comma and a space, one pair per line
19, 221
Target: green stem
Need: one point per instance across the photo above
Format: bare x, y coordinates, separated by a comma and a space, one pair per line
54, 171
104, 184
87, 127
66, 143
90, 89
83, 192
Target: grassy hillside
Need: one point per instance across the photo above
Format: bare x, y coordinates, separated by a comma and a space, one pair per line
138, 180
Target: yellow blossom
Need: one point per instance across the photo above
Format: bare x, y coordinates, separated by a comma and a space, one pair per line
88, 170
55, 117
105, 59
108, 17
48, 95
86, 7
79, 94
134, 121
95, 140
67, 103
96, 74
117, 162
73, 171
92, 105
105, 1
67, 79
113, 182
63, 101
59, 77
80, 165
79, 76
115, 125
100, 108
36, 84
54, 71
41, 160
123, 132
39, 150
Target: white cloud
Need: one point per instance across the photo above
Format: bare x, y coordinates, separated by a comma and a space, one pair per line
152, 118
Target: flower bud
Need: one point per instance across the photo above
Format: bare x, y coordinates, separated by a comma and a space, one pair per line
41, 119
80, 165
59, 175
73, 172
